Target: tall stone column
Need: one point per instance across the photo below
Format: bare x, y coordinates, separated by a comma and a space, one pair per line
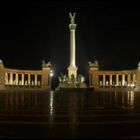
35, 79
11, 78
6, 78
134, 79
123, 79
117, 79
16, 78
29, 79
110, 80
104, 80
72, 69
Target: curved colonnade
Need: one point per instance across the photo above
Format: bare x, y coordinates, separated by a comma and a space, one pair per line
104, 78
126, 78
24, 78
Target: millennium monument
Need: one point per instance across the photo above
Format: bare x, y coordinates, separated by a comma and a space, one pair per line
98, 79
72, 69
72, 80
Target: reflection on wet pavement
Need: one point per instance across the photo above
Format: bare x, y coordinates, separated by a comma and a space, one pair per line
69, 114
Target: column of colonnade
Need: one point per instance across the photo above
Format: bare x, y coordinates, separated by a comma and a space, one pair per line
35, 79
117, 80
110, 79
16, 79
22, 79
131, 79
103, 79
123, 79
134, 79
6, 78
12, 78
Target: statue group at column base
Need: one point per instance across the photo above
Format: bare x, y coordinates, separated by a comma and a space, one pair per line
71, 83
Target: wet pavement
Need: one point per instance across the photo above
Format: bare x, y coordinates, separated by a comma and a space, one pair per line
70, 115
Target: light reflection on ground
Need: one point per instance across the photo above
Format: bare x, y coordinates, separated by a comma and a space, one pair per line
70, 114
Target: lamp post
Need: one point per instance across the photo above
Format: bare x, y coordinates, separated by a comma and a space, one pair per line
51, 75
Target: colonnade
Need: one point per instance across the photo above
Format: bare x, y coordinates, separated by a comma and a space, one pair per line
21, 79
26, 78
108, 80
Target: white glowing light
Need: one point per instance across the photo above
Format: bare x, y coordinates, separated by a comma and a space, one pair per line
51, 73
131, 85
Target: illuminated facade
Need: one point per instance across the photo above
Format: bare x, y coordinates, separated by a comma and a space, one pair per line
110, 79
29, 79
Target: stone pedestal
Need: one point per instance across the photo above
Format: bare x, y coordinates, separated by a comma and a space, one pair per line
71, 86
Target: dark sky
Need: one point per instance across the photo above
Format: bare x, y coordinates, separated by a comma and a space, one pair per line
31, 31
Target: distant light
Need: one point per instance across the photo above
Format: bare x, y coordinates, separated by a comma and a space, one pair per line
131, 85
51, 73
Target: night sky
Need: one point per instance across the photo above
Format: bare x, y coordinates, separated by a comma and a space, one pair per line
32, 31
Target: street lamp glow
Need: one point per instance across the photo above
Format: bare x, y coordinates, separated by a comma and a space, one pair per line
51, 73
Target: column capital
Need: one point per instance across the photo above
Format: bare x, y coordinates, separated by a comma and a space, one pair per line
72, 26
